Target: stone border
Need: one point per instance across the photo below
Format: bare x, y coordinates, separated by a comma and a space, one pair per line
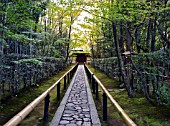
93, 110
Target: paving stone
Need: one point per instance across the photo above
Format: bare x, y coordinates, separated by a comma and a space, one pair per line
63, 122
79, 119
78, 108
67, 115
70, 108
86, 110
87, 124
84, 101
79, 123
84, 105
69, 112
69, 104
73, 121
86, 119
75, 116
67, 118
87, 115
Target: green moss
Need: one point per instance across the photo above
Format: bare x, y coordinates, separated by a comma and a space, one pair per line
138, 109
17, 103
113, 115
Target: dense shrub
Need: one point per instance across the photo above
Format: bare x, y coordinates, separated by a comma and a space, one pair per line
19, 72
154, 73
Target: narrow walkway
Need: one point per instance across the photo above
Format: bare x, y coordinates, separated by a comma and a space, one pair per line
77, 107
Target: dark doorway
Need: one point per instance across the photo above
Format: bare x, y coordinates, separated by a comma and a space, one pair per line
81, 58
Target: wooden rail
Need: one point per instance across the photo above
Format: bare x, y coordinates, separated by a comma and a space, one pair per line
46, 95
95, 82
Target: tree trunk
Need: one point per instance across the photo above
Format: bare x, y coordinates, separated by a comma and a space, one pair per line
153, 40
92, 54
45, 39
61, 27
104, 42
142, 80
137, 37
121, 65
69, 37
148, 35
121, 38
36, 22
163, 36
128, 41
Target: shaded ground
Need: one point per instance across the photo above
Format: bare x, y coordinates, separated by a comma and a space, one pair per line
139, 110
15, 104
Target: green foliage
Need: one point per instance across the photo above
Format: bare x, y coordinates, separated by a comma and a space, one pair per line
19, 74
164, 95
154, 70
25, 61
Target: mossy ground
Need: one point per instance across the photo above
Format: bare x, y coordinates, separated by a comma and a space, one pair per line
15, 104
138, 109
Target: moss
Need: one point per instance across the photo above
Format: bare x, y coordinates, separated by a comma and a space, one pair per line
138, 109
16, 104
113, 115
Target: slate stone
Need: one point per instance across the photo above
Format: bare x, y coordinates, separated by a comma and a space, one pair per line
86, 110
67, 115
86, 119
67, 118
75, 116
63, 122
69, 112
86, 124
79, 123
69, 104
87, 115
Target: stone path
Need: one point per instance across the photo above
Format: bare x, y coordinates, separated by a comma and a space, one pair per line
77, 107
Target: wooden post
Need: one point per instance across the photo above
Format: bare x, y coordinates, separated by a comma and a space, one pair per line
97, 91
90, 77
65, 83
93, 83
58, 91
71, 73
68, 78
46, 106
104, 107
